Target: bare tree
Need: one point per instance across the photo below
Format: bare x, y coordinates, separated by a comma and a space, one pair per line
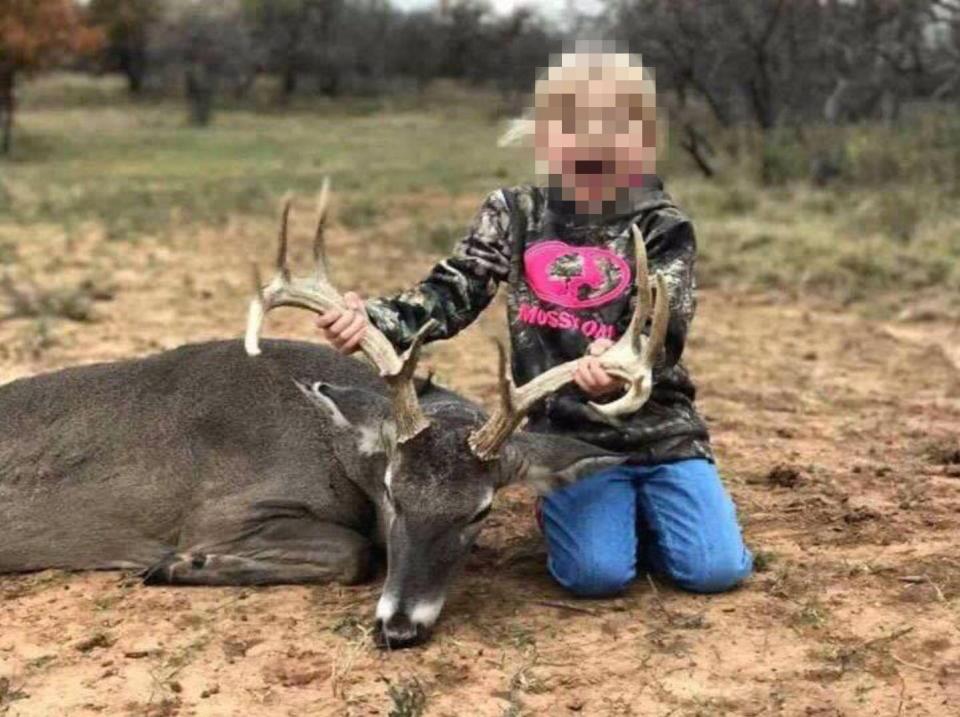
210, 46
295, 37
127, 25
775, 63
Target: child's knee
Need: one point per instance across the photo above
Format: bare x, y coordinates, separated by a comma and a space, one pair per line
594, 575
591, 534
711, 573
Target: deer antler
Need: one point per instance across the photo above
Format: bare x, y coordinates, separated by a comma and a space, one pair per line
631, 359
318, 295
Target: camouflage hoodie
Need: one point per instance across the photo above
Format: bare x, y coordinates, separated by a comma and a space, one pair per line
570, 282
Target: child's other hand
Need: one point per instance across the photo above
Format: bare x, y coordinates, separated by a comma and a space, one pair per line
590, 376
345, 329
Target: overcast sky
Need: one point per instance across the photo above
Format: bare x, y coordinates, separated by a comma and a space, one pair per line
549, 7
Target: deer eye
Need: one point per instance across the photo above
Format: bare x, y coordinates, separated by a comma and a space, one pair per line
481, 515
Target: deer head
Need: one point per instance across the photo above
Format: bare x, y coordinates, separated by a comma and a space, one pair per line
438, 463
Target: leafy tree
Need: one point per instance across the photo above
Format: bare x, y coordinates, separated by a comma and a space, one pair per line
35, 34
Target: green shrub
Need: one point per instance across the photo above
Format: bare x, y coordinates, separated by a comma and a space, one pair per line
782, 160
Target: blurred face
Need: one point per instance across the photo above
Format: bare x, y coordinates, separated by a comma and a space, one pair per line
595, 137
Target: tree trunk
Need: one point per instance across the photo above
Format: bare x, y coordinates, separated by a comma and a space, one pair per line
329, 82
133, 64
134, 82
290, 81
761, 103
199, 94
717, 106
699, 149
8, 104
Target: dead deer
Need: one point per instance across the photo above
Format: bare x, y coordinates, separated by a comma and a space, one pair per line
249, 463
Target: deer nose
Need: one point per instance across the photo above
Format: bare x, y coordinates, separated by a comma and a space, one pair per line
399, 631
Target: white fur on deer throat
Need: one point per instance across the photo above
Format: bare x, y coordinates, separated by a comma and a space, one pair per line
388, 476
385, 512
369, 442
374, 439
389, 511
487, 500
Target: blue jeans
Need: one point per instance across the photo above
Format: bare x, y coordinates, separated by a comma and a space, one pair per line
674, 519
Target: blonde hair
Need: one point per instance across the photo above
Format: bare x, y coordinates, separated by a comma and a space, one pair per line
588, 60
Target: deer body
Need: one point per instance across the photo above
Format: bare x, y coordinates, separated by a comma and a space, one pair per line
236, 463
204, 449
218, 469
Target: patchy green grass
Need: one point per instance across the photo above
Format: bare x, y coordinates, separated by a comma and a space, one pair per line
136, 170
883, 246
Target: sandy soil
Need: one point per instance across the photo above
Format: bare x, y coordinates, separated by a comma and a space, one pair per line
837, 436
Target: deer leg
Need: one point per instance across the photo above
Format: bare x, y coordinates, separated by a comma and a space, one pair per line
289, 551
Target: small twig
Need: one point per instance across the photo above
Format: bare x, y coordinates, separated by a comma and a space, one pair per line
565, 606
887, 638
657, 599
911, 664
903, 693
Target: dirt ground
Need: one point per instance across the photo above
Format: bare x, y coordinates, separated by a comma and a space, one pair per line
837, 436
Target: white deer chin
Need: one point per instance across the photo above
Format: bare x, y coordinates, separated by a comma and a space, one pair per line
423, 614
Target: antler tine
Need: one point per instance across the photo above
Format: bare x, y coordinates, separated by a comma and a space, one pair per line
257, 280
255, 314
318, 295
507, 387
282, 267
658, 327
630, 359
406, 406
485, 442
319, 238
411, 356
644, 298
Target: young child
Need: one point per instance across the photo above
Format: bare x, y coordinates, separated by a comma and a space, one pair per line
565, 252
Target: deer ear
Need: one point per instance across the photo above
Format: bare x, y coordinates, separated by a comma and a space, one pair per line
547, 462
365, 415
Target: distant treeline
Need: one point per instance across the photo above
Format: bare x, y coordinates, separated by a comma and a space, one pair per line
763, 64
326, 47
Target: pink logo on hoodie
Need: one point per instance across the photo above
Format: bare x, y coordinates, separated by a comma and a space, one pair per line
575, 277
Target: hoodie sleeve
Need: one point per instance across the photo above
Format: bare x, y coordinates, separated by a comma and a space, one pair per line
671, 250
457, 288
